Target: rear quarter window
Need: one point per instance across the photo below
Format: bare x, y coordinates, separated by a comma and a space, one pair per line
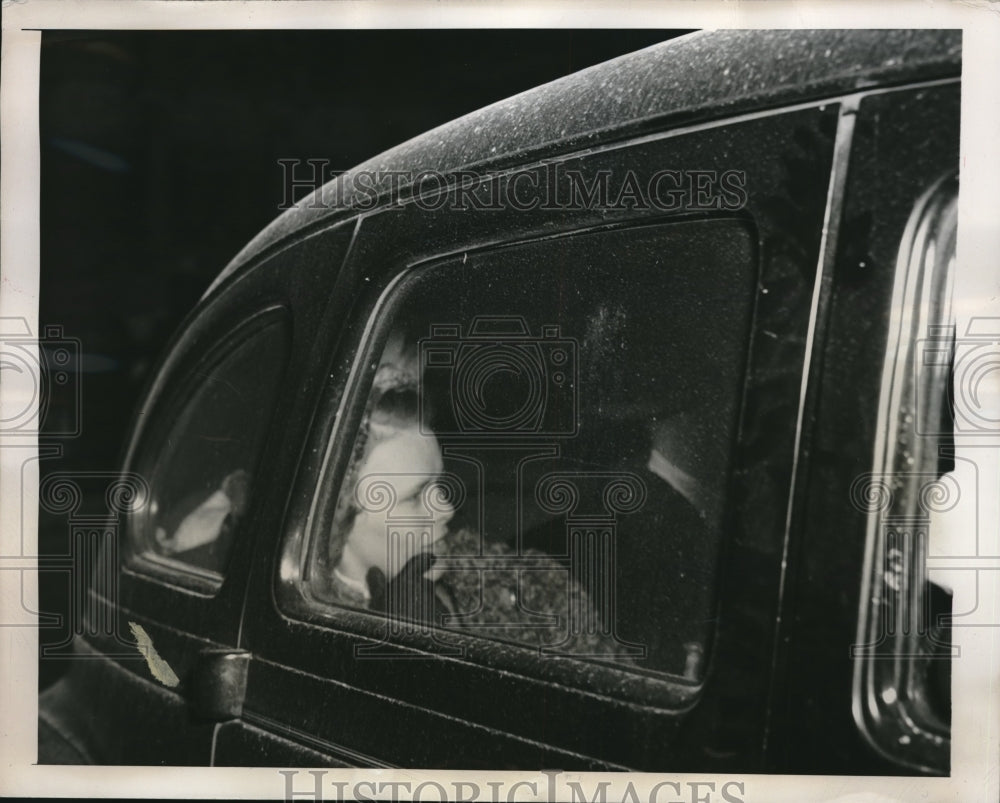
201, 455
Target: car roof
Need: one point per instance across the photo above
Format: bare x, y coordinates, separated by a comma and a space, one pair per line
690, 79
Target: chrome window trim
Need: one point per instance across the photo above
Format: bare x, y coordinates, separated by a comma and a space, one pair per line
899, 494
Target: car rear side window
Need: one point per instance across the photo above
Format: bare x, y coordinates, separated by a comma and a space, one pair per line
902, 661
543, 445
201, 466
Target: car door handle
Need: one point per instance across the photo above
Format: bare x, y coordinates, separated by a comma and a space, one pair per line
219, 684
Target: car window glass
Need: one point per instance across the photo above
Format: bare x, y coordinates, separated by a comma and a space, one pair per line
902, 663
202, 465
543, 453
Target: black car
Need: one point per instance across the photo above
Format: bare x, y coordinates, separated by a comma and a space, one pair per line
590, 430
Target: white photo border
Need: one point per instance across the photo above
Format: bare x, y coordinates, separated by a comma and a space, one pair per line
976, 683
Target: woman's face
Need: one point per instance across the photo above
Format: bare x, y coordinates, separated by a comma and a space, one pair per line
407, 462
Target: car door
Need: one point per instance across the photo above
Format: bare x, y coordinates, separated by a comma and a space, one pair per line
881, 443
205, 462
694, 308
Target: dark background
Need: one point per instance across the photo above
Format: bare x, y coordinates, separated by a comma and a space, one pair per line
159, 161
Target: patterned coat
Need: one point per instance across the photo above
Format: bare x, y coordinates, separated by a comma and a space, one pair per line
529, 601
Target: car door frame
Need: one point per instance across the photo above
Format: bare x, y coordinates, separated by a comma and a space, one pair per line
287, 650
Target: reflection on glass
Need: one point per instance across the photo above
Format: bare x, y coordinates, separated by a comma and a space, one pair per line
544, 461
201, 478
